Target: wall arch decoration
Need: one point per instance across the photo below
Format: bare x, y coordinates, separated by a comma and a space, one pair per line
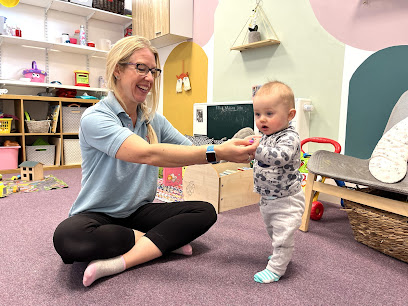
178, 107
374, 88
369, 25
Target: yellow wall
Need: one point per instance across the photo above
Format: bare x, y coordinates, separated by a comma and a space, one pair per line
178, 107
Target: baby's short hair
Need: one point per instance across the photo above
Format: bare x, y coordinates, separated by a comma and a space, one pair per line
280, 88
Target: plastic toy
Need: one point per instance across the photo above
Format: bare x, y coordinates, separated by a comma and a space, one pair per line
34, 74
317, 210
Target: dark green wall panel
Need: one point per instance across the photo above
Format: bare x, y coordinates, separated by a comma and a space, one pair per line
374, 89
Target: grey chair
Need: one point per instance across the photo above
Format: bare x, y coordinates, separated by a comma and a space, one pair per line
355, 170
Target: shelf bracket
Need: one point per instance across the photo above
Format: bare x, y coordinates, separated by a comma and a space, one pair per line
47, 7
89, 16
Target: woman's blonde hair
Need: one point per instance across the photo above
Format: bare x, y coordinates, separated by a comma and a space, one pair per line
118, 56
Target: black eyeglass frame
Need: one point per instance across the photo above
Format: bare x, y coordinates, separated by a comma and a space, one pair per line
153, 71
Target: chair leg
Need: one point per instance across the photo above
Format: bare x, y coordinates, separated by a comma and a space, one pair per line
311, 178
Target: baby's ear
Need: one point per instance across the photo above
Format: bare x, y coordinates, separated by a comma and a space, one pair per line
292, 113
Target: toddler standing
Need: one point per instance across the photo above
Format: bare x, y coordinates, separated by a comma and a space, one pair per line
276, 175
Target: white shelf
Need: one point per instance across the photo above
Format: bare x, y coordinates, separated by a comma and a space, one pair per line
92, 51
81, 10
48, 85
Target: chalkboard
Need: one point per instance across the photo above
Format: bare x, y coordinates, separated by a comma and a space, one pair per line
225, 120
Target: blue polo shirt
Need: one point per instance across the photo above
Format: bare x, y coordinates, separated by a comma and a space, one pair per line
109, 185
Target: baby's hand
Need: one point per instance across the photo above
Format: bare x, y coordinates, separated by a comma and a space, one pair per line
253, 138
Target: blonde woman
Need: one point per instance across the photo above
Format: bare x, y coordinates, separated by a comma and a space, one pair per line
113, 223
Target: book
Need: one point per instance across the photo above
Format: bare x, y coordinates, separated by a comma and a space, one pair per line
53, 115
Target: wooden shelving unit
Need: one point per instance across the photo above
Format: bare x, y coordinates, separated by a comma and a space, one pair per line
20, 103
258, 44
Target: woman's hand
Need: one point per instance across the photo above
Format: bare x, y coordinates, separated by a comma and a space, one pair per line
237, 150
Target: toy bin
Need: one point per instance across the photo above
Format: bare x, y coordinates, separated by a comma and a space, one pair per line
210, 183
5, 125
43, 154
34, 74
9, 157
72, 152
71, 117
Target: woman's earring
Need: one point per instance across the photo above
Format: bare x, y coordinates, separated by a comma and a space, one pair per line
116, 77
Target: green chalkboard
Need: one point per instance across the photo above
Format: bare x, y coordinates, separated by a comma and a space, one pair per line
226, 120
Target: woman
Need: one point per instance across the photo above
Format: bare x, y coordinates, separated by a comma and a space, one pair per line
113, 222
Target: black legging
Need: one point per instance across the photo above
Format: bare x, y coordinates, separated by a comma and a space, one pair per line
89, 236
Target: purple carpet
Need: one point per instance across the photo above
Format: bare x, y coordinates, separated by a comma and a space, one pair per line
328, 268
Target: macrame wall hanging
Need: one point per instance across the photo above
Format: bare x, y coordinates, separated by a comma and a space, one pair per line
256, 32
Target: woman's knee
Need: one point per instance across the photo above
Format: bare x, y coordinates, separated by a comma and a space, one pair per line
210, 212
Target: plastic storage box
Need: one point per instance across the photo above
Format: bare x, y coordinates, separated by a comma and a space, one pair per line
42, 154
5, 125
71, 118
9, 157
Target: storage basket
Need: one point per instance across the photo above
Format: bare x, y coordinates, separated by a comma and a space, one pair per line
72, 152
38, 126
114, 6
381, 230
5, 125
42, 154
9, 157
71, 118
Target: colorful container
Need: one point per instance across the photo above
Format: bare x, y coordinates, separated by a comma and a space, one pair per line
81, 78
9, 157
172, 176
36, 75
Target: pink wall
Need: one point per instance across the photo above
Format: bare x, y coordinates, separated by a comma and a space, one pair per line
203, 27
365, 24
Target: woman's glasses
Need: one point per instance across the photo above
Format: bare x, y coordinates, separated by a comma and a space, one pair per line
142, 69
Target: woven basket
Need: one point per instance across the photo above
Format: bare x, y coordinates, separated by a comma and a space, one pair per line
381, 230
114, 6
38, 126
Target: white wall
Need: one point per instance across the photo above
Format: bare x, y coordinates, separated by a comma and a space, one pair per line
16, 58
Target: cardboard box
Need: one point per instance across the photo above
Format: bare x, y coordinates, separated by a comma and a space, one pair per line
204, 183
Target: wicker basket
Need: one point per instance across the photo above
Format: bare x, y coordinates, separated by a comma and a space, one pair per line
38, 126
381, 230
114, 6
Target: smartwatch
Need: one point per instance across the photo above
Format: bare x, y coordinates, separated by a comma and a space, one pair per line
210, 155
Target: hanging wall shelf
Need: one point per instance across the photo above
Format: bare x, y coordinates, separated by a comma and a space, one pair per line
257, 20
258, 44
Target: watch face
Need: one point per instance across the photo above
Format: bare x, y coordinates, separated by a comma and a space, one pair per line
211, 157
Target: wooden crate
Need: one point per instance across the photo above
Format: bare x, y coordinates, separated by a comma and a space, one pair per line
203, 183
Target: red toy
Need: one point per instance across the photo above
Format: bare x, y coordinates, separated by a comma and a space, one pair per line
317, 210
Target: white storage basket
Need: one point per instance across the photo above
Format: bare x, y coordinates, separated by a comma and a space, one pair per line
72, 152
42, 154
71, 118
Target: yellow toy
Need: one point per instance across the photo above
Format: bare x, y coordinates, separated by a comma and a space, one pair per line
9, 3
